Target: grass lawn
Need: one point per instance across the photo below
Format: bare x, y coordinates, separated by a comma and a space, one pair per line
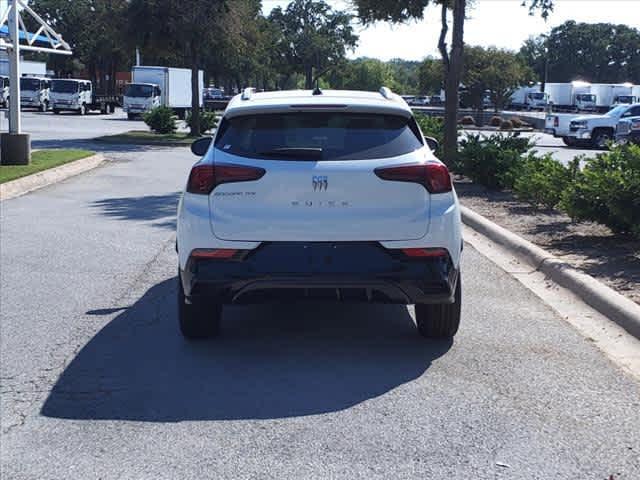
41, 160
145, 137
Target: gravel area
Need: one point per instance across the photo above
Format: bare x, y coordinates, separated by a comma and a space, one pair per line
589, 247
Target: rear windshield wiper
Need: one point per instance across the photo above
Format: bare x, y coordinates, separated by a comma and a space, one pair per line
304, 152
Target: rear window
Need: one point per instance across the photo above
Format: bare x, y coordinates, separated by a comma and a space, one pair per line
328, 135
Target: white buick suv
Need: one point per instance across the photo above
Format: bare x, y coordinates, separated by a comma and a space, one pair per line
317, 195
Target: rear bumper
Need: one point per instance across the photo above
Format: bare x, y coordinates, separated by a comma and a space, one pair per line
349, 271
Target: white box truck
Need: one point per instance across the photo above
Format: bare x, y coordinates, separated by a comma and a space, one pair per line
609, 95
529, 98
166, 86
34, 92
575, 96
77, 95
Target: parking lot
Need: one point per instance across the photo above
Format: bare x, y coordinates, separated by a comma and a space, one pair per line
98, 383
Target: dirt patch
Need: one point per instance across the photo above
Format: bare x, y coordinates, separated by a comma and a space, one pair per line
589, 247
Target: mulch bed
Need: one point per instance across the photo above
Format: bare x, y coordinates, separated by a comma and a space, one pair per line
589, 247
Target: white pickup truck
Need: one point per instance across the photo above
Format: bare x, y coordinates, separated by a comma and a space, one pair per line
590, 130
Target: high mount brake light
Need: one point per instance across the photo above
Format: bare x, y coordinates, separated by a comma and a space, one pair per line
204, 178
433, 176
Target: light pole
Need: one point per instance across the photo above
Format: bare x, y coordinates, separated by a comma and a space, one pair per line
15, 145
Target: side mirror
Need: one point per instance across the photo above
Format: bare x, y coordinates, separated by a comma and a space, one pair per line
432, 143
200, 146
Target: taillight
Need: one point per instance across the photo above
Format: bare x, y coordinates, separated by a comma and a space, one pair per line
433, 176
556, 122
204, 178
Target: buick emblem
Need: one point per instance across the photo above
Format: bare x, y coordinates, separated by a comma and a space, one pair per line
320, 183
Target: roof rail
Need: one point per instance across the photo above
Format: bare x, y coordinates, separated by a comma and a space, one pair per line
386, 93
246, 93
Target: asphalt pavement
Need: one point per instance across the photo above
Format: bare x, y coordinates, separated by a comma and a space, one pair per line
96, 381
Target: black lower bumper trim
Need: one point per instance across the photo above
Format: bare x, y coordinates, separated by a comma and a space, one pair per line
344, 271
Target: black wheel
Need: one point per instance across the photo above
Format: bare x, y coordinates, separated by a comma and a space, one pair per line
569, 141
601, 139
199, 319
56, 111
440, 320
130, 116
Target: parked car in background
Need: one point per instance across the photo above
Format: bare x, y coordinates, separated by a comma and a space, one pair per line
213, 93
557, 124
628, 130
598, 130
298, 197
436, 100
34, 93
420, 101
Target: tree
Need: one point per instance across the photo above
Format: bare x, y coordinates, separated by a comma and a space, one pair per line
431, 76
495, 72
397, 12
601, 53
189, 27
314, 37
362, 74
93, 30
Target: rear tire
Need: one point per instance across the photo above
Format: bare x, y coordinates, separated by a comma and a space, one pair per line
130, 116
440, 320
198, 319
569, 142
601, 139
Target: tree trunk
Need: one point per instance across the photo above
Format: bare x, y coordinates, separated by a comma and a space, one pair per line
195, 96
453, 69
308, 77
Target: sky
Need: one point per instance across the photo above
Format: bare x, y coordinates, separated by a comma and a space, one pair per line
500, 23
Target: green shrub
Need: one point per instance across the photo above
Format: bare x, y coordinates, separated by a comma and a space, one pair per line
432, 127
506, 125
491, 161
467, 120
541, 181
607, 190
495, 121
160, 120
207, 120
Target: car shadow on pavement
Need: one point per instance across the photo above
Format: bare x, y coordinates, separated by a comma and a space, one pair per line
271, 361
161, 209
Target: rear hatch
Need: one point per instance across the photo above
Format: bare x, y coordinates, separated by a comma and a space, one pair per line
319, 182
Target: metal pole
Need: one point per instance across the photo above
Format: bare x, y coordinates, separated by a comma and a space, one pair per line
14, 71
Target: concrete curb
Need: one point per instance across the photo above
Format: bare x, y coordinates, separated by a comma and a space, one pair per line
611, 304
20, 186
142, 143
